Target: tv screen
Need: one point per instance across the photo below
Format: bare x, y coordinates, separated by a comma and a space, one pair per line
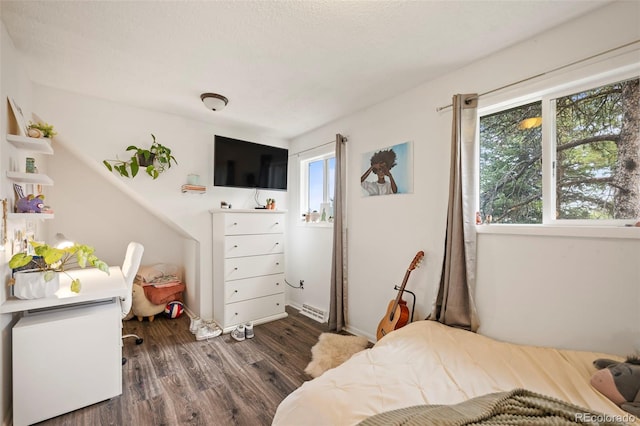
243, 164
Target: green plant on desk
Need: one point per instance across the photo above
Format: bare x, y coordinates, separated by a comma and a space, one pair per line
52, 260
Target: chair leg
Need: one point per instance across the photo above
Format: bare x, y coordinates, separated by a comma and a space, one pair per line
139, 341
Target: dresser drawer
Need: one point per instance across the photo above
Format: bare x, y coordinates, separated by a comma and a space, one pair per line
250, 288
253, 309
251, 245
257, 223
253, 266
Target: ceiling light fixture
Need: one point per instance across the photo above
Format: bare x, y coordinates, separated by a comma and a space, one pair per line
213, 101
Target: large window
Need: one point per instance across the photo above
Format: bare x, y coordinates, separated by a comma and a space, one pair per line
318, 185
563, 157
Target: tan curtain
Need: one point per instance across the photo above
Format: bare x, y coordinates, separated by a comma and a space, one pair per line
338, 301
455, 305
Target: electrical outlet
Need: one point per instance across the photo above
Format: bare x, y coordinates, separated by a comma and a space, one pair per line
301, 284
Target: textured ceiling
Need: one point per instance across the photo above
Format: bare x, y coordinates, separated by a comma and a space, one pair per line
289, 66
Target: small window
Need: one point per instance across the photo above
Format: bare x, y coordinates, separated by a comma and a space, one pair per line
317, 187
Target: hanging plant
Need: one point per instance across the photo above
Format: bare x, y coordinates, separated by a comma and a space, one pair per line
154, 161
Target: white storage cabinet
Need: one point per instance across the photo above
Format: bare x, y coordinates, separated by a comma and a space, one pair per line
65, 359
248, 267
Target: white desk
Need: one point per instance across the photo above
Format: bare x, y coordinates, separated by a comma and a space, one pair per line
67, 349
96, 285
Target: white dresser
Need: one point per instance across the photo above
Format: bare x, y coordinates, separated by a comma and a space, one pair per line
248, 266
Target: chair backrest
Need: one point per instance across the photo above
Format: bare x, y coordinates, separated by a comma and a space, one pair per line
130, 266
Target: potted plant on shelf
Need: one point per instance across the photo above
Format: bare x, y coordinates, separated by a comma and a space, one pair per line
38, 276
271, 204
154, 160
40, 130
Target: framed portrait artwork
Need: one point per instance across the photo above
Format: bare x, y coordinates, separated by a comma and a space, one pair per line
388, 170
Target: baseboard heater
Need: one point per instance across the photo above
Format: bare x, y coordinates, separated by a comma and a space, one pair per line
313, 313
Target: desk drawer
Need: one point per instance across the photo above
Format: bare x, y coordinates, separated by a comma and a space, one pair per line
251, 245
253, 266
250, 288
254, 309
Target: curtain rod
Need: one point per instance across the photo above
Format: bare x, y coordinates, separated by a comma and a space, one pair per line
344, 139
438, 109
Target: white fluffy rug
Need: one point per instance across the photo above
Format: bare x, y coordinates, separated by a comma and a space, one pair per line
332, 350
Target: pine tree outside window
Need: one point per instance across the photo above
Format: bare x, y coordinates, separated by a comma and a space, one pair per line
565, 158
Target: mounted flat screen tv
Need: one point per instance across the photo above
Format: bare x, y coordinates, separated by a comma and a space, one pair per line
243, 164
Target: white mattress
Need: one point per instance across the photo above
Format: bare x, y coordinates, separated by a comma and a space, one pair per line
429, 363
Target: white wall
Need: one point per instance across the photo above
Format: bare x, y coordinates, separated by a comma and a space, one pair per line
174, 227
14, 83
569, 292
385, 232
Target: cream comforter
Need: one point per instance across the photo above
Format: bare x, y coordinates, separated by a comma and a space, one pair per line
429, 363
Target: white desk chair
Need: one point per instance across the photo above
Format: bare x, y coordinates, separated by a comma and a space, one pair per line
130, 266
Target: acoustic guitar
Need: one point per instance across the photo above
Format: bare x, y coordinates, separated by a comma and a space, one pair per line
397, 315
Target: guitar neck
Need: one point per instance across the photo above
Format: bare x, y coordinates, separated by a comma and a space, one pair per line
401, 290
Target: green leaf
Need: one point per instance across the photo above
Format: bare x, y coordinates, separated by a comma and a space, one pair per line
107, 165
81, 256
151, 171
50, 254
49, 275
134, 167
75, 286
132, 147
102, 266
122, 169
20, 259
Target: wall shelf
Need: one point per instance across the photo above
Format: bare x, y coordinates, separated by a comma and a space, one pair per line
40, 216
194, 189
40, 145
37, 178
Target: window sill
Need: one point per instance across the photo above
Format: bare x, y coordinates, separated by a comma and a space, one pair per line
316, 224
624, 232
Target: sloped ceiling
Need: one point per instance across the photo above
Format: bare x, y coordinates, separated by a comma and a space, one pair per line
289, 66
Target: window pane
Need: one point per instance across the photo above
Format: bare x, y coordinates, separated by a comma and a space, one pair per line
511, 165
316, 185
332, 184
597, 158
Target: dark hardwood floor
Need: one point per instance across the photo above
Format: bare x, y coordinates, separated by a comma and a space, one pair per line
172, 379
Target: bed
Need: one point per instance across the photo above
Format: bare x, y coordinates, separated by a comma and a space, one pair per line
429, 363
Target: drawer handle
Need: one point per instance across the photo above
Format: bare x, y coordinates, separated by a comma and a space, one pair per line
277, 283
235, 291
277, 263
277, 243
235, 223
277, 223
278, 304
235, 246
235, 269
